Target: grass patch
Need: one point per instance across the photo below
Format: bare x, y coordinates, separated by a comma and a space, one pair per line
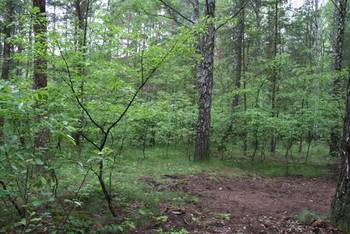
280, 168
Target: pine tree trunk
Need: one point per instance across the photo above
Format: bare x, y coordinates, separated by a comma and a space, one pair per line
81, 10
340, 214
274, 75
334, 145
238, 65
205, 85
40, 63
239, 55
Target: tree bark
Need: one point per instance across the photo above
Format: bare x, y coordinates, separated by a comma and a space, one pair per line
81, 10
274, 75
7, 49
40, 62
40, 45
239, 55
338, 65
340, 213
257, 10
205, 84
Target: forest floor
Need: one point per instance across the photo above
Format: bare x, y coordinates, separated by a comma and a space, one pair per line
168, 194
246, 204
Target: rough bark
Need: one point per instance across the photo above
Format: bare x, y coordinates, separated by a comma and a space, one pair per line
340, 214
40, 30
338, 65
40, 62
205, 84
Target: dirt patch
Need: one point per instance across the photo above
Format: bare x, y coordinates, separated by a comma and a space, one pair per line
249, 204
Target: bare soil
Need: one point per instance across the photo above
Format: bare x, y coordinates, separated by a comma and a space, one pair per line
247, 204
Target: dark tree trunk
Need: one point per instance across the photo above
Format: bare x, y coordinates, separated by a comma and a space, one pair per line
40, 62
334, 146
40, 30
238, 64
274, 75
257, 11
238, 67
81, 11
205, 84
245, 96
7, 30
7, 49
340, 214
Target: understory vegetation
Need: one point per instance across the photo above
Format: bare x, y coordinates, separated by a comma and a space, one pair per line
174, 116
139, 186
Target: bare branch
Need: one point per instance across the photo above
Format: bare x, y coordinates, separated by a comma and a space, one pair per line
336, 5
171, 17
145, 80
91, 141
71, 85
233, 16
113, 124
176, 11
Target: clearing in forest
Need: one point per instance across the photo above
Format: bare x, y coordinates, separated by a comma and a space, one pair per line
247, 204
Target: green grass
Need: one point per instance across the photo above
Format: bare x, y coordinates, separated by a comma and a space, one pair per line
280, 168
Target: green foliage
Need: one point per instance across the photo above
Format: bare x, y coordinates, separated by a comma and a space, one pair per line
127, 42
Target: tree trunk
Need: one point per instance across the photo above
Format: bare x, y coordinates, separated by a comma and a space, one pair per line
238, 67
40, 30
239, 57
40, 63
81, 11
258, 18
7, 49
340, 214
205, 84
338, 65
274, 77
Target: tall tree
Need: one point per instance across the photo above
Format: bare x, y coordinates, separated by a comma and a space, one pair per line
7, 29
82, 11
40, 60
238, 41
340, 13
7, 48
205, 71
274, 40
340, 214
238, 56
